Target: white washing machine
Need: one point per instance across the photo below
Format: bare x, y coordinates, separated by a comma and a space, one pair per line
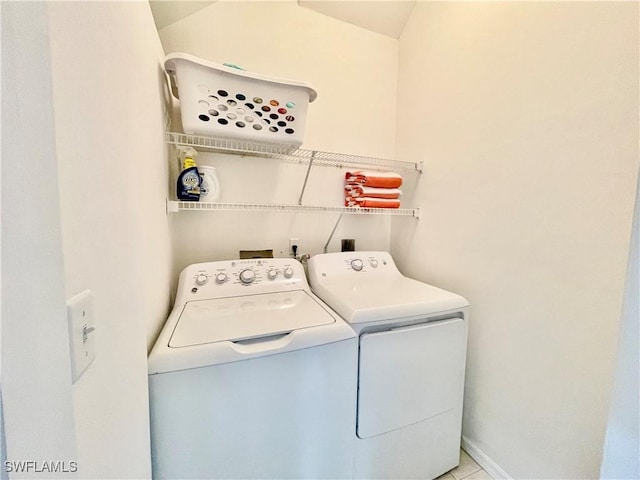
412, 353
252, 377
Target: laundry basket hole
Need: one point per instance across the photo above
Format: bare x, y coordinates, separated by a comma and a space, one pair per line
204, 118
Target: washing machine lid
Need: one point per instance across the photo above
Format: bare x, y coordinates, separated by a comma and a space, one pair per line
247, 317
385, 298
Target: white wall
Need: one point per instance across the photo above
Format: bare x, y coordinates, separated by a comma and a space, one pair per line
36, 387
109, 97
354, 72
526, 115
621, 457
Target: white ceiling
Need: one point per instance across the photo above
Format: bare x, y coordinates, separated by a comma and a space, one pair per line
166, 12
387, 17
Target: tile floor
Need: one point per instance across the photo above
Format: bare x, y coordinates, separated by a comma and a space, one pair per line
467, 470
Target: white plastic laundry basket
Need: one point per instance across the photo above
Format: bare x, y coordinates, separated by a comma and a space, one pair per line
229, 103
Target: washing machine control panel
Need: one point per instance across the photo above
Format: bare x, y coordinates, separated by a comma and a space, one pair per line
225, 278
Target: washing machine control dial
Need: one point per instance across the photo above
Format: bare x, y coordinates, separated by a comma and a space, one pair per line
201, 279
356, 264
373, 262
272, 274
247, 276
221, 278
288, 272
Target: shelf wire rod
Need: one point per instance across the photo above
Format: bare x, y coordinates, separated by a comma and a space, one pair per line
306, 177
326, 245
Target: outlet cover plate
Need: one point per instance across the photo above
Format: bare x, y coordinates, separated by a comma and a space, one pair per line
81, 332
294, 241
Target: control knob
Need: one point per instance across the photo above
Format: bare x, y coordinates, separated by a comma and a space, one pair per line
247, 276
373, 262
221, 278
272, 274
356, 264
288, 272
201, 279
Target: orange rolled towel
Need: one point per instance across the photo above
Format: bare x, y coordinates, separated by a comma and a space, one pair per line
367, 202
369, 178
373, 192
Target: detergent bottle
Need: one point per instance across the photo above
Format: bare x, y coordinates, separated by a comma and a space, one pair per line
210, 187
189, 180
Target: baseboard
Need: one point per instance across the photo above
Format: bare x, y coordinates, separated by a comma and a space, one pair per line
482, 459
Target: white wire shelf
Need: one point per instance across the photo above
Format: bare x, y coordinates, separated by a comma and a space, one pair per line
174, 206
286, 153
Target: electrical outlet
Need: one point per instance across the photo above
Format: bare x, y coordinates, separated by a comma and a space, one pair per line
292, 242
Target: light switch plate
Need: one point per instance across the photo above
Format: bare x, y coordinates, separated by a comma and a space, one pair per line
81, 332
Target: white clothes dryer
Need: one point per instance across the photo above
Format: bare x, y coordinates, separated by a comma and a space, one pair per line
412, 353
251, 377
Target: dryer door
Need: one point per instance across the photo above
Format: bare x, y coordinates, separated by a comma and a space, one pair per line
409, 374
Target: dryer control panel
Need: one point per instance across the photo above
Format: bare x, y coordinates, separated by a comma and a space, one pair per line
240, 277
346, 264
